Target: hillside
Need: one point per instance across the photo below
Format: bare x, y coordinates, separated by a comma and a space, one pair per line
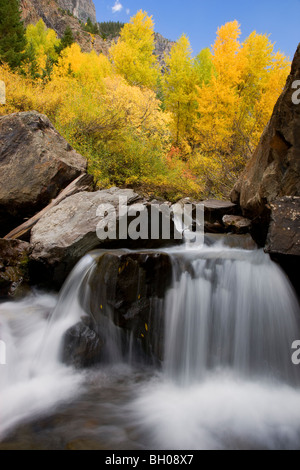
56, 18
58, 14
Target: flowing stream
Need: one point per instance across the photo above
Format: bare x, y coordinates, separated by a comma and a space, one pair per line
227, 380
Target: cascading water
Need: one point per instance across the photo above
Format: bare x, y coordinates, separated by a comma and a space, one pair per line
227, 379
230, 309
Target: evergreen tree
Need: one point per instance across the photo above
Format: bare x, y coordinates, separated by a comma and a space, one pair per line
12, 33
66, 41
90, 27
110, 29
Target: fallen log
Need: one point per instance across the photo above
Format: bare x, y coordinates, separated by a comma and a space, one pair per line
82, 183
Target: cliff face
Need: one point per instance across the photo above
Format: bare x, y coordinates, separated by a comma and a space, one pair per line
162, 46
82, 9
55, 18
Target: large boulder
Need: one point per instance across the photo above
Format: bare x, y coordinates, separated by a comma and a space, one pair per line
126, 290
36, 163
14, 258
284, 230
71, 229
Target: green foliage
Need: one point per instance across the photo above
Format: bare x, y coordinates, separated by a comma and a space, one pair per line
91, 27
66, 41
41, 49
204, 67
110, 29
12, 34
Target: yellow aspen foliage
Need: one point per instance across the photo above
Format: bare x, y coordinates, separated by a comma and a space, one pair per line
225, 53
185, 132
42, 44
133, 56
262, 80
180, 97
86, 68
204, 67
235, 106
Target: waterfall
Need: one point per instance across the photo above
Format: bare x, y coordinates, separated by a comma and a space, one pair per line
34, 380
228, 319
232, 309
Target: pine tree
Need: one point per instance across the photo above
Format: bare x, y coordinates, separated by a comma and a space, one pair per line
12, 33
90, 27
66, 41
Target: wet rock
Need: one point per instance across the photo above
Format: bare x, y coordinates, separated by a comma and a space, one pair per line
215, 227
232, 240
14, 258
82, 347
36, 163
129, 288
214, 212
237, 224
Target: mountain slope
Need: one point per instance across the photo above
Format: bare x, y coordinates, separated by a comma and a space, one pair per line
81, 9
57, 15
56, 18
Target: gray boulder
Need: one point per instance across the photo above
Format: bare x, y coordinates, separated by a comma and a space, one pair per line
78, 225
36, 163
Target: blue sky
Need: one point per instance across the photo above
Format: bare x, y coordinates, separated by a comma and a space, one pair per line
199, 19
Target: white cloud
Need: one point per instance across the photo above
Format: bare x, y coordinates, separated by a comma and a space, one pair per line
117, 6
127, 11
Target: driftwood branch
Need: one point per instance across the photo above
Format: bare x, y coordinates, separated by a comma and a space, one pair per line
82, 183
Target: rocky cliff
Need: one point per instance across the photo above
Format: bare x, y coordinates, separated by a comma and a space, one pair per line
58, 19
81, 9
162, 46
268, 191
